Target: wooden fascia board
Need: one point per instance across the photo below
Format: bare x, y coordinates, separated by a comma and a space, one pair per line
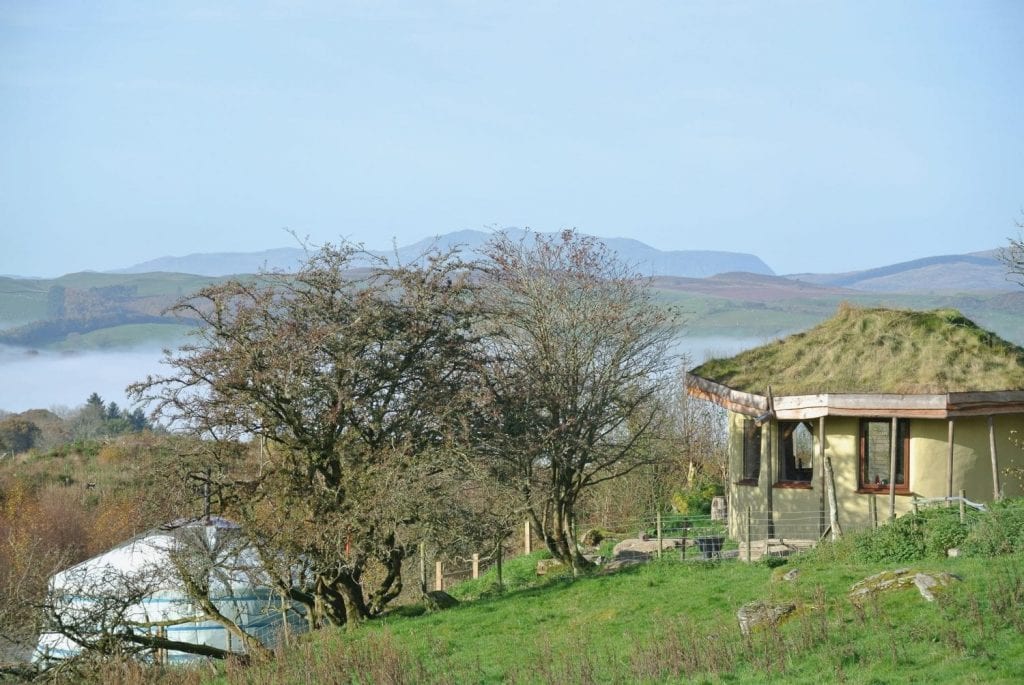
737, 401
802, 407
985, 403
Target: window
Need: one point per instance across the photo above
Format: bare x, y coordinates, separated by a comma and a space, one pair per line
796, 452
751, 451
875, 446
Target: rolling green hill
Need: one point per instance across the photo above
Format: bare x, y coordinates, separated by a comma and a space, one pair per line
81, 311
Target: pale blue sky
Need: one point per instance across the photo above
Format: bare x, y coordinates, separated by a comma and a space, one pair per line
820, 136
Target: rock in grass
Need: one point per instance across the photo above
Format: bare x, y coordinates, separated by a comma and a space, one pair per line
762, 614
436, 600
901, 578
545, 565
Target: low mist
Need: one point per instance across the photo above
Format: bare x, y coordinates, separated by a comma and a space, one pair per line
43, 380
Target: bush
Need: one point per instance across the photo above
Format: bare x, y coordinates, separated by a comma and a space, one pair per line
695, 499
900, 540
1000, 531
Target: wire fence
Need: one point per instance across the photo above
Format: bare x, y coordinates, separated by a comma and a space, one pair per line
749, 535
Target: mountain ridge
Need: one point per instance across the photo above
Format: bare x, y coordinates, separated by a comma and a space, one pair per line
647, 260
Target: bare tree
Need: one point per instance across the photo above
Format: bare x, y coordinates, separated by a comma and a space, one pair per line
1013, 255
355, 387
579, 352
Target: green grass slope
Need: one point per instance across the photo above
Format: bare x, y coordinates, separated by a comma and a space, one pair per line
676, 622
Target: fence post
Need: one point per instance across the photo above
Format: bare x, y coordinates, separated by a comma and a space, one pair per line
657, 523
527, 537
438, 576
423, 568
963, 506
476, 566
497, 564
748, 534
914, 505
874, 511
682, 548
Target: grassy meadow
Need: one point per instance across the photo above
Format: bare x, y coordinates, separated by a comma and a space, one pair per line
674, 621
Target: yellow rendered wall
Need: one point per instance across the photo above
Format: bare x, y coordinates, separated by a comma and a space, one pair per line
794, 508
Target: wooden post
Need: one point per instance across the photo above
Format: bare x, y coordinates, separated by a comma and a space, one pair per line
438, 576
963, 506
748, 534
497, 564
682, 549
769, 463
995, 461
657, 524
284, 621
476, 566
833, 504
914, 505
893, 437
949, 466
423, 568
821, 462
874, 511
527, 538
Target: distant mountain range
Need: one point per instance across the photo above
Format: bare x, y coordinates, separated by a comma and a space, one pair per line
644, 258
979, 271
976, 272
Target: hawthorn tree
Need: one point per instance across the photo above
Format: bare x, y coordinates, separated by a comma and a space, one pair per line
579, 353
355, 386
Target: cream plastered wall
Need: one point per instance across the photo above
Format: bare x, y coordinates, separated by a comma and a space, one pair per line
803, 512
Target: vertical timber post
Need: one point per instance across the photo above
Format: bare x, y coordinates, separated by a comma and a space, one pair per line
438, 576
501, 578
527, 538
769, 466
657, 524
833, 504
476, 566
423, 568
949, 466
995, 459
963, 506
893, 438
821, 461
748, 534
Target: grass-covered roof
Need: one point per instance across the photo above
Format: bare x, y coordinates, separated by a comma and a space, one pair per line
863, 350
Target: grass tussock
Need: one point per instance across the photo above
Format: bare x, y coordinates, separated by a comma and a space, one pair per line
862, 350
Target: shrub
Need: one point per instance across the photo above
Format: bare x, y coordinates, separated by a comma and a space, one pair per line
1000, 531
695, 499
900, 540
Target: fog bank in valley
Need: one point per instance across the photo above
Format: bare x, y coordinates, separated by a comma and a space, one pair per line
41, 380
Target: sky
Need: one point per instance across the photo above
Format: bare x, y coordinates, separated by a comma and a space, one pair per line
820, 136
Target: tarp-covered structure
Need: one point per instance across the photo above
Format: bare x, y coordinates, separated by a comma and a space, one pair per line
142, 587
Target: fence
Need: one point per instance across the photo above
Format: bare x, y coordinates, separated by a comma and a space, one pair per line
749, 536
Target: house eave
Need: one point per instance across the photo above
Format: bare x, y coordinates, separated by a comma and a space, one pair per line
801, 407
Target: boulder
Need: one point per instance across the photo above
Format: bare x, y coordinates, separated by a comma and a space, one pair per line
901, 578
762, 614
791, 575
593, 537
437, 600
648, 548
545, 565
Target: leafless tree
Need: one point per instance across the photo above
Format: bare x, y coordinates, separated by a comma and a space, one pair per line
355, 386
579, 352
1013, 255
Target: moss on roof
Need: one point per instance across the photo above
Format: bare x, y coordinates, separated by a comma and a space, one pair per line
862, 350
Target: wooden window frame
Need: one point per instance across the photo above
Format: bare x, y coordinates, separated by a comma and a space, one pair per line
784, 480
902, 455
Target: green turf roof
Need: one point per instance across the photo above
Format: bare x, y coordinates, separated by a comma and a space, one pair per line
863, 350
